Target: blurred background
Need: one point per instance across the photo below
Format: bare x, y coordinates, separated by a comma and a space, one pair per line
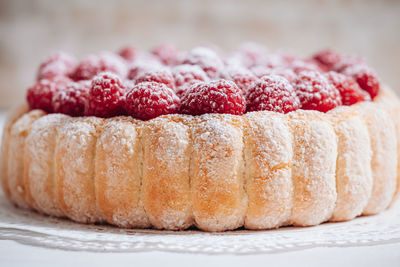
32, 29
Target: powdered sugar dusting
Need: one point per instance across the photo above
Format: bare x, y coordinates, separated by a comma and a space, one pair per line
313, 170
39, 163
219, 200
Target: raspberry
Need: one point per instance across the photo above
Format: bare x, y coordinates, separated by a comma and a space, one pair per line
128, 53
242, 77
366, 78
57, 64
106, 96
272, 61
206, 59
40, 95
159, 76
286, 73
140, 66
166, 53
72, 99
219, 96
349, 90
148, 100
315, 92
304, 65
347, 62
187, 75
327, 58
249, 53
95, 64
273, 93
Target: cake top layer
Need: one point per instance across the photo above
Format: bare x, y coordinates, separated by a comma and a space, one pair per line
203, 80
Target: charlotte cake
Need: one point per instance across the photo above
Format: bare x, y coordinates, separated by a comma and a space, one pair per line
171, 140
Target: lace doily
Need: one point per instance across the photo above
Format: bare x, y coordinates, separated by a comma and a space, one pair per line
34, 229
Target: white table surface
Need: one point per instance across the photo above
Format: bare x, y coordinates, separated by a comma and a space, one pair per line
16, 254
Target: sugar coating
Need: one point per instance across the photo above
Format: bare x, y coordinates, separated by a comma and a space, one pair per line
118, 173
353, 164
39, 155
166, 184
388, 100
268, 155
12, 116
74, 156
15, 169
216, 171
313, 170
384, 156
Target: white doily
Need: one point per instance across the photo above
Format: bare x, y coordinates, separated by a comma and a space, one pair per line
34, 229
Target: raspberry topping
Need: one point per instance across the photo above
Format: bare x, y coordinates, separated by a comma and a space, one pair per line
187, 75
327, 58
219, 96
161, 75
95, 64
366, 78
106, 96
249, 53
148, 100
166, 53
304, 65
140, 66
348, 61
40, 95
128, 53
273, 93
349, 90
316, 92
239, 75
72, 99
202, 80
206, 59
286, 73
57, 64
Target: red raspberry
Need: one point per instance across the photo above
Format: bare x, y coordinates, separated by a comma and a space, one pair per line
219, 96
239, 75
140, 66
286, 73
95, 64
316, 92
40, 95
158, 75
327, 58
128, 53
57, 64
287, 57
304, 65
348, 61
272, 61
72, 99
148, 100
166, 53
273, 93
206, 59
249, 53
349, 90
366, 78
106, 96
187, 75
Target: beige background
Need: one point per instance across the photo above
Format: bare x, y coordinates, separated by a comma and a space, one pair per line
30, 30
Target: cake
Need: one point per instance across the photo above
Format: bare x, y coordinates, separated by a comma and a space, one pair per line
173, 140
